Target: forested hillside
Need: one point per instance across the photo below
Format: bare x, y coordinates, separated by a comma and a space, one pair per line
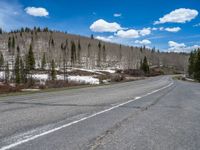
68, 50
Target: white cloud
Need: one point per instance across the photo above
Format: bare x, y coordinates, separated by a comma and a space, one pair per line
175, 29
154, 29
181, 47
145, 31
128, 33
169, 29
37, 12
106, 39
104, 26
197, 25
143, 42
173, 44
117, 15
181, 15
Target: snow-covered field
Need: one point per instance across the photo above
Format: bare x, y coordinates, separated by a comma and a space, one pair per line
78, 79
89, 79
2, 75
95, 70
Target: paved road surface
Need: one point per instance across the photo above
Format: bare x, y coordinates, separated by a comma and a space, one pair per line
149, 114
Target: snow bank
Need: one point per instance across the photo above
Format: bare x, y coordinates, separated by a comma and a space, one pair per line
2, 75
78, 79
40, 77
95, 70
108, 70
84, 79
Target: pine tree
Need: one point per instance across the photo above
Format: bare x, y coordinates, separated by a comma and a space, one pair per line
23, 75
104, 53
191, 64
13, 42
92, 36
52, 42
9, 44
1, 31
53, 71
197, 66
73, 53
43, 61
31, 59
145, 66
1, 60
99, 55
17, 68
79, 51
7, 73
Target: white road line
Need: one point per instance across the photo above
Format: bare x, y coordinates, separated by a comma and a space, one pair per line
17, 143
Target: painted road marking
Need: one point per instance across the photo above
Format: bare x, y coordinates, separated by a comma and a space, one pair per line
33, 137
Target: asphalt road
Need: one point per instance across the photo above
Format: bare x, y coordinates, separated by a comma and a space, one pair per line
157, 113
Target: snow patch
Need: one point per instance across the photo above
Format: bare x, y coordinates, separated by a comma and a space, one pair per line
2, 75
84, 80
78, 79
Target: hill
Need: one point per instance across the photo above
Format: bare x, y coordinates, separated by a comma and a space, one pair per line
83, 52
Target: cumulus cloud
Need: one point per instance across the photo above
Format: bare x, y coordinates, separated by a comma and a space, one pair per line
143, 42
181, 15
128, 33
36, 12
181, 47
117, 15
106, 39
145, 31
132, 33
104, 26
173, 44
175, 29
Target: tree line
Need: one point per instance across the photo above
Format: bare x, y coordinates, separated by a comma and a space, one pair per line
194, 65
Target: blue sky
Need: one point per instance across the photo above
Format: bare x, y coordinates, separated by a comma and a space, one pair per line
167, 25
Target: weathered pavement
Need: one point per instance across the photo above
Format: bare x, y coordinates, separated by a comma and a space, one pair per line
158, 115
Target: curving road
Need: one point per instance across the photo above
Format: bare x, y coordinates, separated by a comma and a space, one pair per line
157, 113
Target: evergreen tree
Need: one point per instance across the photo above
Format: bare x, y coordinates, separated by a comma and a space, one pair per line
17, 68
79, 51
141, 64
99, 55
197, 66
1, 60
13, 42
31, 59
7, 73
53, 71
43, 61
52, 42
1, 31
92, 36
22, 30
73, 53
191, 64
9, 44
145, 66
23, 75
104, 53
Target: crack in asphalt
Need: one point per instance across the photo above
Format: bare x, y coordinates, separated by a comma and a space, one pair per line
95, 143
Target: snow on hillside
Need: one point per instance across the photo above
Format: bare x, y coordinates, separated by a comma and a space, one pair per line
95, 70
84, 80
2, 75
78, 79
